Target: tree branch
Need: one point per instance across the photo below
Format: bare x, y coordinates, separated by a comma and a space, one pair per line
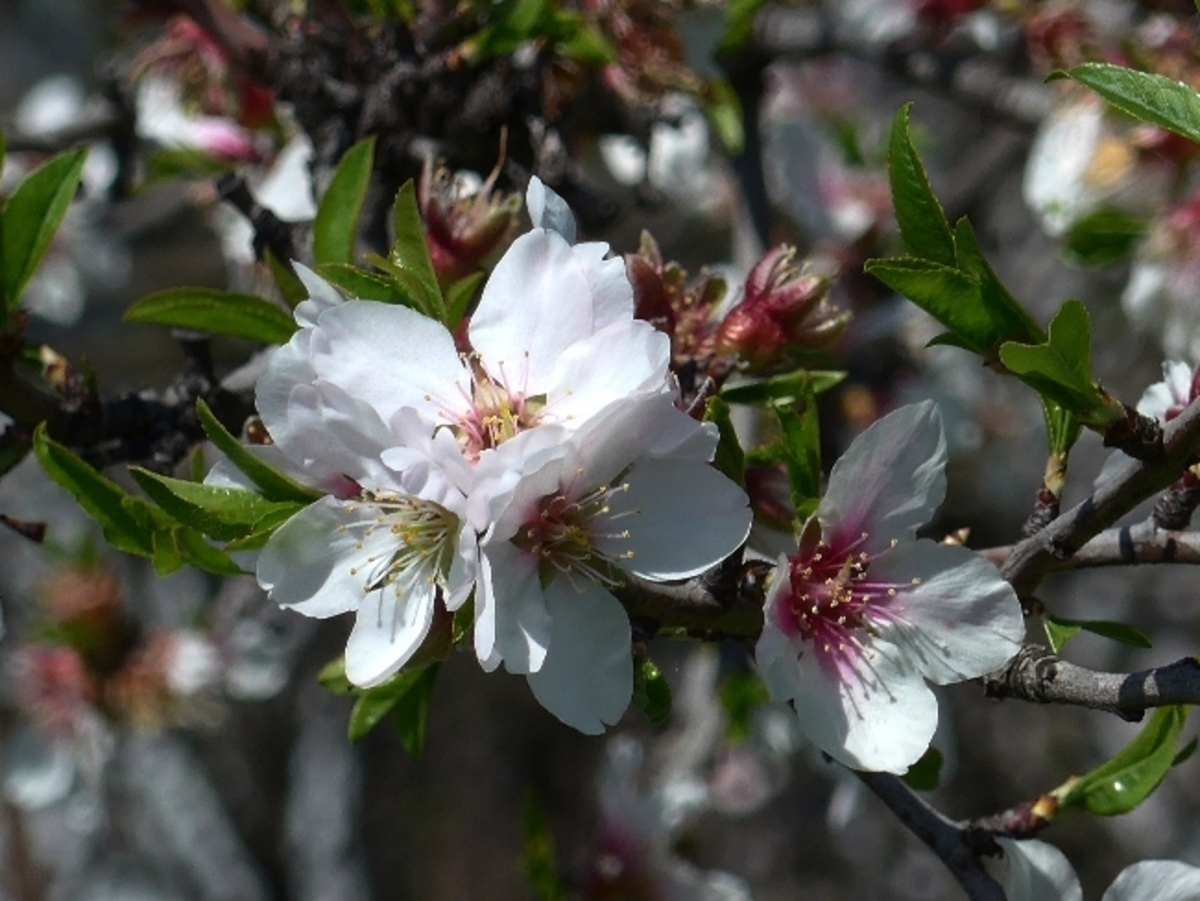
1036, 674
1039, 555
1132, 545
957, 846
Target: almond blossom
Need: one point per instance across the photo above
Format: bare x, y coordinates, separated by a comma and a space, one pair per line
1038, 871
863, 614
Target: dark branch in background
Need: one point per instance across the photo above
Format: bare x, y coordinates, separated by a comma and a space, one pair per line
1041, 554
958, 846
270, 232
1036, 674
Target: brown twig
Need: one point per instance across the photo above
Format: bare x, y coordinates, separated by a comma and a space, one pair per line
1133, 545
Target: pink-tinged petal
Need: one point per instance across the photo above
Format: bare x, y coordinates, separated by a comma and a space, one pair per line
511, 621
536, 304
682, 518
890, 480
1170, 395
1037, 871
391, 357
318, 562
776, 653
875, 713
587, 677
548, 210
391, 625
288, 367
514, 478
623, 359
959, 621
1155, 880
415, 435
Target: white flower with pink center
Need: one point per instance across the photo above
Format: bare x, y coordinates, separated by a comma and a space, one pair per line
1167, 399
629, 493
863, 614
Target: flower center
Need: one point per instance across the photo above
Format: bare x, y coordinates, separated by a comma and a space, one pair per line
833, 596
496, 413
424, 535
563, 532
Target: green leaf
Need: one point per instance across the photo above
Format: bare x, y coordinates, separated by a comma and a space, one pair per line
800, 446
274, 485
291, 289
196, 551
129, 530
539, 859
1150, 98
923, 226
729, 458
1122, 783
1062, 427
376, 703
335, 228
949, 295
216, 311
739, 24
1010, 319
723, 110
742, 693
410, 252
925, 774
332, 677
1104, 236
785, 390
1061, 369
32, 216
651, 692
1060, 630
412, 710
356, 283
220, 512
579, 41
459, 296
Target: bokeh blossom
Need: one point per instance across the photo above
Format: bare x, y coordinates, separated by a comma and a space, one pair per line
863, 614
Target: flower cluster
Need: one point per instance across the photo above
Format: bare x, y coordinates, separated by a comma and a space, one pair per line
534, 472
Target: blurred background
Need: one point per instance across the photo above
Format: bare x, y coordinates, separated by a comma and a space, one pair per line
166, 738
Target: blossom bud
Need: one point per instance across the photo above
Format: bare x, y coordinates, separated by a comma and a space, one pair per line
462, 227
782, 310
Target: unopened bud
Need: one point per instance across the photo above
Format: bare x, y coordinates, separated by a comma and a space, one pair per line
782, 310
462, 227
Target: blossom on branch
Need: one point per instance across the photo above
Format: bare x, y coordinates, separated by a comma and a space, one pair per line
1038, 871
863, 614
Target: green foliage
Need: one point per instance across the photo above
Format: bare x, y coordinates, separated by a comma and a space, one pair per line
274, 485
926, 773
335, 228
513, 22
785, 390
730, 459
1125, 781
923, 226
406, 696
1061, 368
651, 692
1009, 317
741, 693
458, 298
540, 866
1060, 630
363, 285
1102, 237
217, 312
30, 218
408, 261
946, 293
739, 24
222, 513
799, 449
723, 110
1147, 97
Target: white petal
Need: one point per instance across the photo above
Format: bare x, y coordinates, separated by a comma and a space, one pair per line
1173, 391
1038, 871
511, 621
317, 562
608, 283
536, 304
388, 630
622, 359
878, 716
322, 296
390, 357
890, 480
1156, 880
960, 621
336, 434
548, 210
288, 367
1055, 184
682, 518
587, 678
776, 655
